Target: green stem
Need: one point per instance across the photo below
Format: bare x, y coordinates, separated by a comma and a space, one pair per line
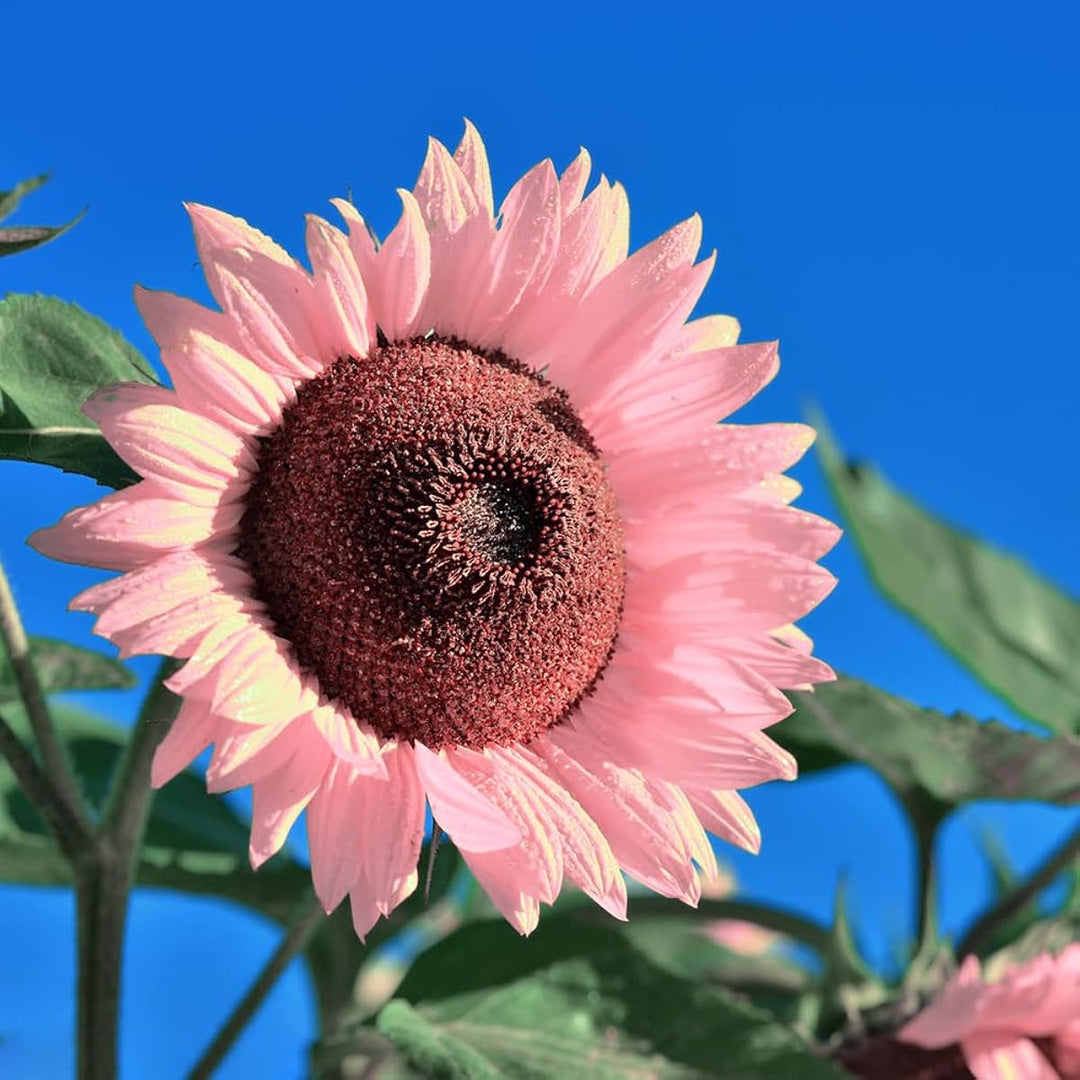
69, 831
1014, 900
124, 819
53, 756
926, 931
307, 919
100, 918
103, 885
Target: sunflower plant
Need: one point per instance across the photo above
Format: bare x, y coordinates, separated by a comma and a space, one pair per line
449, 544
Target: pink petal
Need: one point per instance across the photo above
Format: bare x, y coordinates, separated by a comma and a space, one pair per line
159, 587
1061, 1002
532, 868
672, 399
573, 180
522, 253
216, 231
447, 199
587, 857
471, 157
180, 631
131, 528
629, 312
189, 456
706, 597
279, 799
708, 332
259, 682
725, 814
200, 676
274, 314
401, 273
353, 744
734, 525
783, 666
334, 819
395, 829
728, 459
473, 822
193, 730
640, 831
213, 379
747, 701
246, 753
361, 241
952, 1014
347, 327
584, 240
1004, 1056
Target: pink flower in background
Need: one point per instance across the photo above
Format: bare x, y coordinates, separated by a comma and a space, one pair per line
1025, 1026
736, 935
449, 522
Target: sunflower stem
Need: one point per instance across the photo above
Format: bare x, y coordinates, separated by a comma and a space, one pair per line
103, 882
101, 911
307, 919
926, 935
54, 759
128, 805
1014, 900
69, 832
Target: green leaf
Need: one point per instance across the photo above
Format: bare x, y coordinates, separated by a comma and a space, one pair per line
487, 1003
53, 356
932, 761
61, 666
9, 200
1018, 633
194, 842
18, 238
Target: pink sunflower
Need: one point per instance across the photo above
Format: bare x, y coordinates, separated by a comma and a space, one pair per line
1024, 1026
450, 520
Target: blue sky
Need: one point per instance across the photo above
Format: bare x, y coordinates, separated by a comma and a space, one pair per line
892, 191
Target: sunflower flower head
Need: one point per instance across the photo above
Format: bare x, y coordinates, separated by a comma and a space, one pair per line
449, 522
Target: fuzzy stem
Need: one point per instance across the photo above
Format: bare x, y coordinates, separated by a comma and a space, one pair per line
124, 819
926, 884
70, 833
103, 885
304, 924
1055, 863
54, 758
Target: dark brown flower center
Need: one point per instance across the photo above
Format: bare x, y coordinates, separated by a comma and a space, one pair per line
884, 1057
432, 530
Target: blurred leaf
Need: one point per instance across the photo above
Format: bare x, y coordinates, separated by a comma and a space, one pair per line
768, 979
61, 666
18, 238
577, 1000
9, 200
1040, 936
1017, 632
53, 356
932, 761
23, 237
363, 1052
